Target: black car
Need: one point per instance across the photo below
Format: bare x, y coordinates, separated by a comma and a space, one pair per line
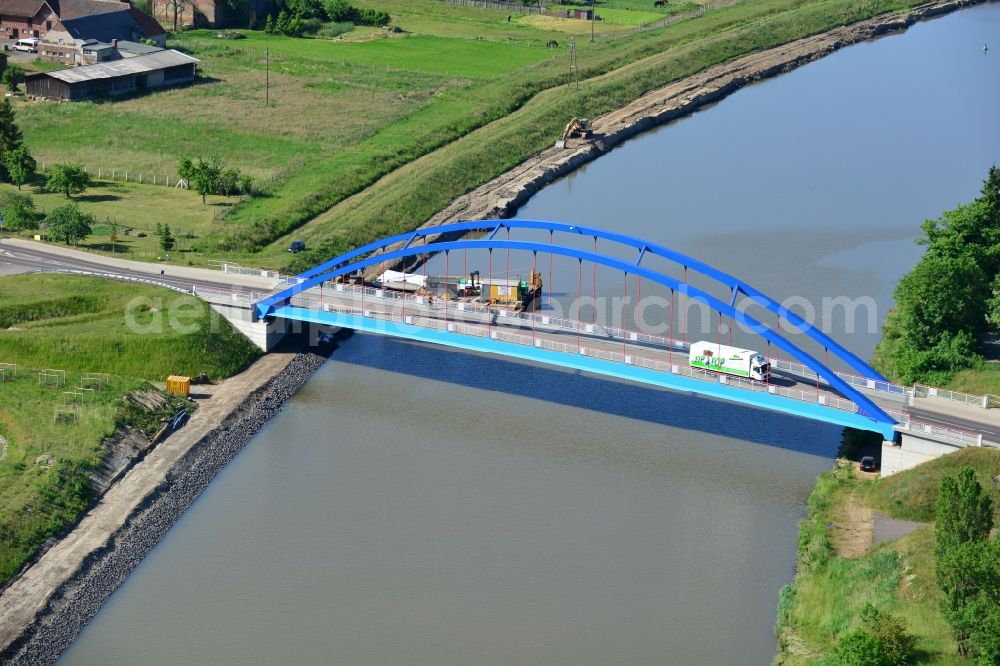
867, 464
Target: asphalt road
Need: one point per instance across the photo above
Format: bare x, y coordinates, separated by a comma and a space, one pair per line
18, 259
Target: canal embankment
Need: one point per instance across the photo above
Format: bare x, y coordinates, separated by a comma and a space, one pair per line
502, 196
870, 541
45, 608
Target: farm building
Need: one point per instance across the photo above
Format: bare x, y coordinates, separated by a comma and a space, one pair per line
117, 77
63, 26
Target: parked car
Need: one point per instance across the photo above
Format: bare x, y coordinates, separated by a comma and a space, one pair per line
30, 45
867, 464
297, 246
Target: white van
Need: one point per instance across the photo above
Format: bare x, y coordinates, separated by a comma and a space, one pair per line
29, 45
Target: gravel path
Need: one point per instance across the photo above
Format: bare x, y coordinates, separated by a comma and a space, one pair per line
81, 597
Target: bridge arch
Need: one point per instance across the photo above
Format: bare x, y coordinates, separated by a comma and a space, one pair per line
378, 252
641, 247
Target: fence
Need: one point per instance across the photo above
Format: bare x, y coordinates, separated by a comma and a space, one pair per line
509, 319
515, 7
500, 6
243, 298
127, 176
922, 391
236, 269
964, 437
521, 322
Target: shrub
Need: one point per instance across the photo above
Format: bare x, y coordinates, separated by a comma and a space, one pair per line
859, 648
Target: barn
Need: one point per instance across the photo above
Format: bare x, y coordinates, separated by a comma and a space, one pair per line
116, 77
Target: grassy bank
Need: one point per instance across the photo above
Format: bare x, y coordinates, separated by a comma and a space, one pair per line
348, 116
53, 425
86, 324
834, 581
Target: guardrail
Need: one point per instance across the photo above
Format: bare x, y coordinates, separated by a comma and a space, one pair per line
236, 269
114, 276
958, 435
495, 332
247, 298
533, 320
922, 391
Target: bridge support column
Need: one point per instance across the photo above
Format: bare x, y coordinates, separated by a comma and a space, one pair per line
912, 451
266, 335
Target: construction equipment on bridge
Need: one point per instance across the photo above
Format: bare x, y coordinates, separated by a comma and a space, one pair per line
576, 128
512, 292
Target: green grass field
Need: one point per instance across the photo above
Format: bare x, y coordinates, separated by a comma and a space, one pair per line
977, 382
79, 325
140, 207
830, 590
374, 132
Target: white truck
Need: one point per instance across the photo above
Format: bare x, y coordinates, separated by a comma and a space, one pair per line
727, 360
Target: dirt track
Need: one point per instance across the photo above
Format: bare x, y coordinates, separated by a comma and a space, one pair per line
502, 196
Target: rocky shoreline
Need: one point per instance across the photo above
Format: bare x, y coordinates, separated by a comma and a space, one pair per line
80, 598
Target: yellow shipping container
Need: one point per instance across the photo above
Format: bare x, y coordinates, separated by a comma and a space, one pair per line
179, 385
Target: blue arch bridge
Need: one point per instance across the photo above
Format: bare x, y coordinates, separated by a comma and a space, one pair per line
487, 311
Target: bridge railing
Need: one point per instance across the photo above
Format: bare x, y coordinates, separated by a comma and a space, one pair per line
922, 391
530, 319
523, 320
638, 360
236, 269
856, 381
951, 433
247, 298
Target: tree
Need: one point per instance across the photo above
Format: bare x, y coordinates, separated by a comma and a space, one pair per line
178, 7
10, 134
20, 166
206, 176
942, 295
964, 513
18, 212
12, 76
68, 223
167, 241
246, 185
307, 9
68, 179
229, 181
964, 560
281, 23
269, 25
339, 11
213, 177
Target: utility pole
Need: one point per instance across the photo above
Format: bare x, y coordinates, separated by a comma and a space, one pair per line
267, 76
573, 74
593, 18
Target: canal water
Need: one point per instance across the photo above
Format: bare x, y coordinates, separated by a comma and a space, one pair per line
413, 505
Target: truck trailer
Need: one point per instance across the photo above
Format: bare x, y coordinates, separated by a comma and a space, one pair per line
727, 360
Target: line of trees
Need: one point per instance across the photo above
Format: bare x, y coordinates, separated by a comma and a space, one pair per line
950, 298
213, 177
967, 566
298, 17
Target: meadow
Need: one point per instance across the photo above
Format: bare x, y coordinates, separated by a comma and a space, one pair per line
53, 426
374, 131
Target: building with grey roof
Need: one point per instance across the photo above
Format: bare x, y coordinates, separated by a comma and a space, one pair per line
116, 77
